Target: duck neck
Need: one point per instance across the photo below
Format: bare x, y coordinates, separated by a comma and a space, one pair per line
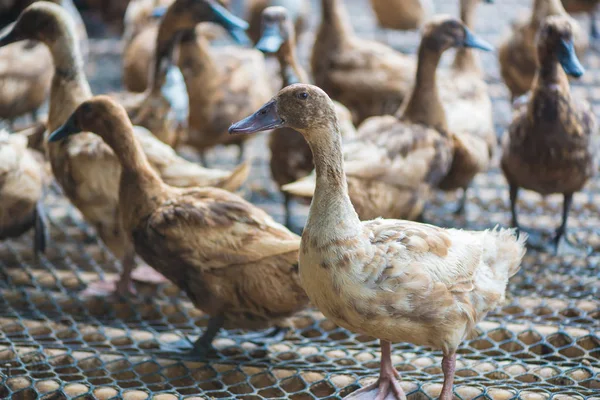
335, 19
199, 70
165, 46
331, 210
138, 179
424, 105
69, 85
291, 71
466, 59
545, 8
550, 74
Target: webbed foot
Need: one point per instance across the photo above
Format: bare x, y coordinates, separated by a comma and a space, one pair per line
273, 335
109, 289
147, 274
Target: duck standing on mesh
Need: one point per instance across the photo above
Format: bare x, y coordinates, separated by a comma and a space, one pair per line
86, 169
552, 143
232, 259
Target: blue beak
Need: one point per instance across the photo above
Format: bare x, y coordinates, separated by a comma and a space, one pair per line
271, 39
474, 42
234, 25
263, 120
568, 59
159, 12
67, 129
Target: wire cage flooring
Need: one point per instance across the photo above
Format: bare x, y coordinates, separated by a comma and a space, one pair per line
543, 343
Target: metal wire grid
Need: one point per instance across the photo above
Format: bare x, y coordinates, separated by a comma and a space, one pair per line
545, 342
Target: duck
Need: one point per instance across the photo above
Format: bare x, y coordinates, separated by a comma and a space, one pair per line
551, 143
299, 13
26, 73
517, 52
141, 21
291, 158
395, 160
402, 15
217, 79
234, 262
584, 6
23, 180
469, 114
368, 77
395, 280
86, 169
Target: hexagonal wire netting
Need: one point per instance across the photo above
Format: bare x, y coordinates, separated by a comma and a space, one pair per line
544, 342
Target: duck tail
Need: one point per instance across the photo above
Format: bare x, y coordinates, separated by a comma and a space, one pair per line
237, 178
304, 187
504, 250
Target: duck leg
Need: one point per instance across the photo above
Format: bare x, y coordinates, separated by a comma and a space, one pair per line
534, 239
594, 32
460, 210
449, 368
40, 236
387, 386
35, 117
203, 159
560, 242
121, 287
202, 347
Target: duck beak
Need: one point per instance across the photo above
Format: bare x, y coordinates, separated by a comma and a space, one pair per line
271, 39
234, 25
9, 35
475, 42
263, 120
568, 59
489, 1
159, 12
69, 128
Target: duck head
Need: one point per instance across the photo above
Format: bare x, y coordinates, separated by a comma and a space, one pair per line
184, 15
277, 29
42, 21
99, 114
555, 44
443, 32
304, 108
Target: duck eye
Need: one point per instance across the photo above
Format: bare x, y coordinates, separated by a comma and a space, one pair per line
303, 95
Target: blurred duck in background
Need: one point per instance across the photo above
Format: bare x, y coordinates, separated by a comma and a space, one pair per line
552, 143
298, 13
368, 77
23, 179
26, 67
589, 7
466, 99
291, 158
224, 83
518, 52
402, 15
395, 160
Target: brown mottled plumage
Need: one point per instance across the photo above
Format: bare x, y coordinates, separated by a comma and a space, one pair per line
366, 76
517, 53
84, 166
402, 15
395, 160
552, 143
468, 106
299, 13
22, 181
232, 259
223, 83
291, 158
395, 280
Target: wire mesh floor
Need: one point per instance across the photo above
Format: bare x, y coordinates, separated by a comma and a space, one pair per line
543, 343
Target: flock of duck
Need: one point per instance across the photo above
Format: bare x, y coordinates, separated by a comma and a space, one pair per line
361, 260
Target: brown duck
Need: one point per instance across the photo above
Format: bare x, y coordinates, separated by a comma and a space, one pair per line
552, 143
395, 280
84, 166
232, 259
